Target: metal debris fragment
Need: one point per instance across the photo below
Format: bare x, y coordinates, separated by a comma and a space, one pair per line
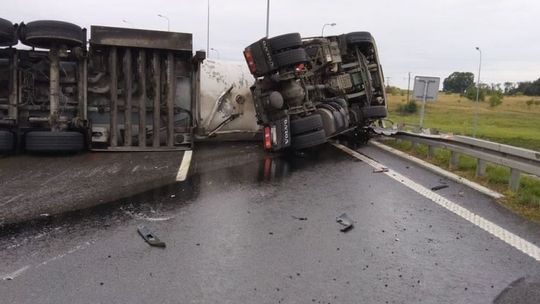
150, 237
380, 170
439, 187
345, 221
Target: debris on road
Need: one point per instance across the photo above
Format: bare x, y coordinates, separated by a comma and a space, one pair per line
380, 170
439, 187
150, 237
345, 221
299, 218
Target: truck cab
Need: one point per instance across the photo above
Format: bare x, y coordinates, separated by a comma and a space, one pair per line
308, 90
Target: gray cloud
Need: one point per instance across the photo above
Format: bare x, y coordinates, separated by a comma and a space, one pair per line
424, 37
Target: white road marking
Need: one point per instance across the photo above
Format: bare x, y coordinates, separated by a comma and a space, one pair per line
506, 236
11, 200
16, 273
184, 166
439, 171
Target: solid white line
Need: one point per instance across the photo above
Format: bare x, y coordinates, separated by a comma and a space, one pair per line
184, 166
506, 236
439, 171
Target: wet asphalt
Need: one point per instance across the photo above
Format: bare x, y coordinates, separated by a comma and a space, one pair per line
249, 227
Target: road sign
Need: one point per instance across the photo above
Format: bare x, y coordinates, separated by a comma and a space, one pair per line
425, 88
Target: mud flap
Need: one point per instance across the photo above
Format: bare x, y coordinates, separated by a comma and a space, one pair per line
281, 134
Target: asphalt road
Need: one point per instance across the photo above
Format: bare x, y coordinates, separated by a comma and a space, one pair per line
35, 186
252, 228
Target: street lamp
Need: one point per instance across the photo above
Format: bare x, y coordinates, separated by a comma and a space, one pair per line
217, 52
168, 21
208, 30
477, 93
330, 24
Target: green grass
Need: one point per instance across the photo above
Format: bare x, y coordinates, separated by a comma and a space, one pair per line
514, 122
525, 201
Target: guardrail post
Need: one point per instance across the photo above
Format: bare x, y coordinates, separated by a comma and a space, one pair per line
481, 166
431, 152
515, 176
454, 160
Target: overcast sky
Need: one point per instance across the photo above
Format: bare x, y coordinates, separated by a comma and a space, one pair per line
424, 37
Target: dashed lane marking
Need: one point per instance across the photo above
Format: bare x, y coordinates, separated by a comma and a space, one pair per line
184, 166
506, 236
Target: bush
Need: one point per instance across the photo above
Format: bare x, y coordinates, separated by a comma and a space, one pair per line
471, 94
495, 100
529, 102
409, 108
393, 90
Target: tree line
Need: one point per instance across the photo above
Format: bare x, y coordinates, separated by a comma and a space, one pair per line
463, 83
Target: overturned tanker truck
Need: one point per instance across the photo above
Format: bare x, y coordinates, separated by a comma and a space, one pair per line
141, 90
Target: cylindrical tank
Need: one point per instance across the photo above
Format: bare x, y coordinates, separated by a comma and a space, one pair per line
225, 93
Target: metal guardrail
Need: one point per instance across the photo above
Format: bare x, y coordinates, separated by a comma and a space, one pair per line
519, 160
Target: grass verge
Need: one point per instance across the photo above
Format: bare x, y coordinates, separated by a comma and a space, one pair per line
515, 122
525, 201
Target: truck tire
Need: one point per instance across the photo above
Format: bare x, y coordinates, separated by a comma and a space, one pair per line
291, 57
49, 33
359, 37
283, 42
47, 141
8, 34
308, 140
374, 112
306, 124
7, 141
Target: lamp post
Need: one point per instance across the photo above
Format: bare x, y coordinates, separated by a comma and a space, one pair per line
217, 52
168, 21
208, 30
267, 17
330, 24
477, 93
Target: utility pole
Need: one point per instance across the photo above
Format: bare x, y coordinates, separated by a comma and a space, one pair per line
477, 94
409, 87
267, 17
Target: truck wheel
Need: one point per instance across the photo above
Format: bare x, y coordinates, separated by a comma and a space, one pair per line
359, 37
7, 141
305, 124
287, 41
291, 57
47, 141
374, 112
48, 33
308, 140
8, 35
